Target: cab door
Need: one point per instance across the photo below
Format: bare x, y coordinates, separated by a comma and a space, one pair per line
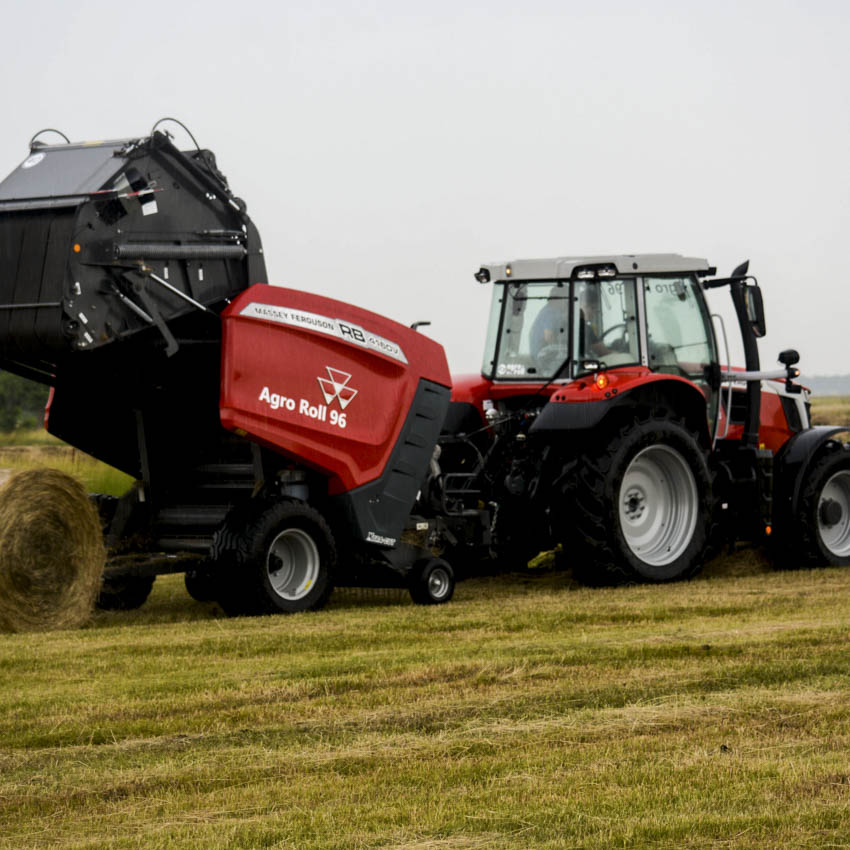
680, 337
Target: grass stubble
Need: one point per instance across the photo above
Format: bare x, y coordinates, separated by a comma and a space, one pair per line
529, 712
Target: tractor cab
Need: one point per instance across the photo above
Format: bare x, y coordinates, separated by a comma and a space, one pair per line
558, 321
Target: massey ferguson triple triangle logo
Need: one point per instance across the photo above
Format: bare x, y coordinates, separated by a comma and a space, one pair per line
335, 386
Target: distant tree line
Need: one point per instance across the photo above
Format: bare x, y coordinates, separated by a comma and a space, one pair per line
21, 402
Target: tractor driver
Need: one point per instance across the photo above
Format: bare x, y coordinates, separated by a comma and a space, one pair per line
590, 327
549, 331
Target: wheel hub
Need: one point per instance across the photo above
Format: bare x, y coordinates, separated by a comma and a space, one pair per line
833, 514
830, 512
659, 505
635, 504
438, 583
293, 564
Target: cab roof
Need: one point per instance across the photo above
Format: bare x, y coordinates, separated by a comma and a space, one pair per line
563, 268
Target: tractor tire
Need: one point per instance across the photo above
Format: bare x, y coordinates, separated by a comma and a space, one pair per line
280, 561
643, 505
124, 594
431, 582
823, 521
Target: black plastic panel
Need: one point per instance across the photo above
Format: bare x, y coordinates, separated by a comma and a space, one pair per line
62, 170
378, 511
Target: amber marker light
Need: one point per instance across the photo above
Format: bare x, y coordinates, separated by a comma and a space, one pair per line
768, 530
601, 381
77, 248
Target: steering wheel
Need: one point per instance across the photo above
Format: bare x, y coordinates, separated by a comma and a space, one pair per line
550, 357
616, 344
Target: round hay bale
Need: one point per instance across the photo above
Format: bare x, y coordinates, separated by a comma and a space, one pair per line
51, 552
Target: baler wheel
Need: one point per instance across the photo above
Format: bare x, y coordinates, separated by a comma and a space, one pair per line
823, 532
125, 593
643, 504
201, 583
431, 582
280, 560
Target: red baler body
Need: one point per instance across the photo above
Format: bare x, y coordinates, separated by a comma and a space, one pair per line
321, 381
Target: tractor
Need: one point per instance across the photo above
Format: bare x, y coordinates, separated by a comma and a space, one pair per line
606, 419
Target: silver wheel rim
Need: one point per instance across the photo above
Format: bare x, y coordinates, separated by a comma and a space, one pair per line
439, 583
658, 505
293, 564
836, 536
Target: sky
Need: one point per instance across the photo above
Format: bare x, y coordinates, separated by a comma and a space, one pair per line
387, 149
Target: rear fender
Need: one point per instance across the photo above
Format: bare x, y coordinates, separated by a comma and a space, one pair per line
582, 405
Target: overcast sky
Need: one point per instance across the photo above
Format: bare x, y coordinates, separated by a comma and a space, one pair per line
387, 149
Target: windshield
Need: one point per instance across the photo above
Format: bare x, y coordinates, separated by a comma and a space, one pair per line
534, 333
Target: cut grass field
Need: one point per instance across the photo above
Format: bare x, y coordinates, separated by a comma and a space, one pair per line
527, 713
831, 410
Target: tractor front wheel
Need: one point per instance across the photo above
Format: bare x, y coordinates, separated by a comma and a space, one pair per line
824, 517
643, 504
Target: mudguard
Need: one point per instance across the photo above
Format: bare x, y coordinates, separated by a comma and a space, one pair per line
793, 462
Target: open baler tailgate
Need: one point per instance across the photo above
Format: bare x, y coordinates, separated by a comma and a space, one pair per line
101, 242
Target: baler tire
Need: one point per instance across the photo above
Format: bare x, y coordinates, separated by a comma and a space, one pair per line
289, 535
643, 505
821, 541
431, 582
201, 583
124, 594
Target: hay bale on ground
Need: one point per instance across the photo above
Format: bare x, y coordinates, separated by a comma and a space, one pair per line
51, 552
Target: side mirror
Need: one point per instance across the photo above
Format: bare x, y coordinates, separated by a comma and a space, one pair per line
755, 309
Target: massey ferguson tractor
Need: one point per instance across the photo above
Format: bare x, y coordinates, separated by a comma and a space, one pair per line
283, 442
604, 420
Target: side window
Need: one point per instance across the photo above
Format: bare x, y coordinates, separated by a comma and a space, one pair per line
605, 324
680, 342
534, 329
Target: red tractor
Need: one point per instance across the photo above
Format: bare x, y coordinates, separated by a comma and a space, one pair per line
604, 420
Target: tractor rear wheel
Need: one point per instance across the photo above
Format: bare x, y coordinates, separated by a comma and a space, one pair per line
281, 560
643, 504
824, 517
